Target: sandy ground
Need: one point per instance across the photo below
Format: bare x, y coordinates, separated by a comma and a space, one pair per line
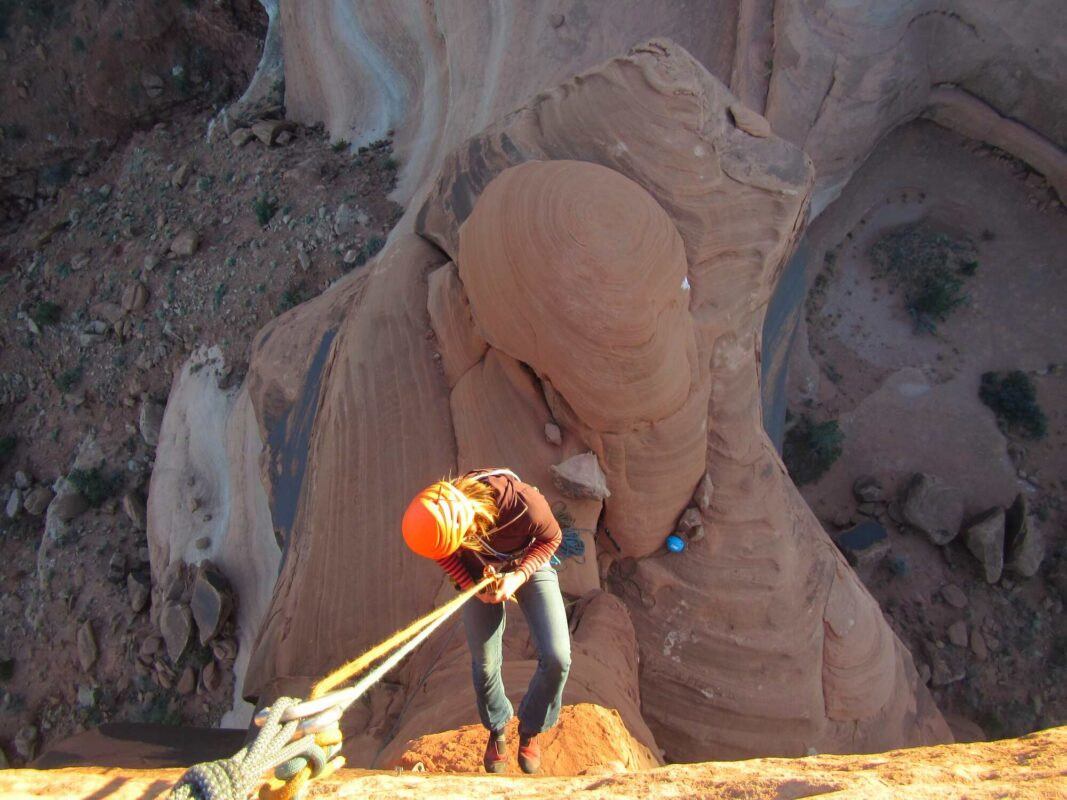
908, 402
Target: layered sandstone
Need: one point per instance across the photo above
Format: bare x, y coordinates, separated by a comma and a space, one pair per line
603, 260
1031, 767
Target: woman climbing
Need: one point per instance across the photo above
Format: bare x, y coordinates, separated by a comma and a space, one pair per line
490, 518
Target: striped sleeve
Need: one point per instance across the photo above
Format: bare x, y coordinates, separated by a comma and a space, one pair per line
538, 555
454, 568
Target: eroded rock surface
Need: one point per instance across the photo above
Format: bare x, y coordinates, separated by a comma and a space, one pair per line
417, 367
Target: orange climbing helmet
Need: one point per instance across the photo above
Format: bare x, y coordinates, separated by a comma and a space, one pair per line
437, 520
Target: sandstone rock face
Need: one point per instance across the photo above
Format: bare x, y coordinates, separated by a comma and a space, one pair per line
1030, 768
832, 82
437, 360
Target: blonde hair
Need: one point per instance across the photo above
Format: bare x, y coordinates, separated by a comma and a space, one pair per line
482, 498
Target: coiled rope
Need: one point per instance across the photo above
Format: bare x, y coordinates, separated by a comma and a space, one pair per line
301, 740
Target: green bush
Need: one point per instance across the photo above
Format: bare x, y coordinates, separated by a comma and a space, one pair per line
926, 265
265, 208
1014, 401
69, 379
810, 448
94, 485
45, 313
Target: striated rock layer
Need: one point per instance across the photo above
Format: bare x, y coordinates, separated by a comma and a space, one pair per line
603, 261
832, 78
1028, 768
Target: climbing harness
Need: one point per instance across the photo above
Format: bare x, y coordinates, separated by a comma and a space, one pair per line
300, 740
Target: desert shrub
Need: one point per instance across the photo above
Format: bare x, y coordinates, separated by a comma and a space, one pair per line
94, 485
1014, 401
69, 379
810, 448
929, 267
45, 313
265, 208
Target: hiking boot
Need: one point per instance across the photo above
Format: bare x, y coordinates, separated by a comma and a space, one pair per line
496, 753
529, 754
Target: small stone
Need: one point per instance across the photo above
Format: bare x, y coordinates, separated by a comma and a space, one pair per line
87, 649
283, 138
553, 435
26, 742
945, 673
933, 508
749, 121
152, 83
957, 633
211, 602
203, 543
149, 647
135, 297
14, 504
581, 477
348, 219
702, 496
151, 261
267, 130
176, 625
36, 501
185, 243
303, 259
224, 649
22, 480
350, 256
116, 568
241, 137
696, 534
1024, 542
863, 544
691, 518
210, 676
557, 20
953, 595
978, 645
868, 489
187, 682
180, 176
138, 590
164, 675
870, 509
150, 422
984, 537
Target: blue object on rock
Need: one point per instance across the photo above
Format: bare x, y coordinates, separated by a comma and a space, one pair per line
675, 543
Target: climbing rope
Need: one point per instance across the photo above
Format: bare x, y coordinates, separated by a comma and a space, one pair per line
300, 740
571, 546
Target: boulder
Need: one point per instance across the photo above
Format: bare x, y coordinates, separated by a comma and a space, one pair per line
176, 625
150, 422
211, 602
14, 504
1024, 542
581, 477
957, 633
702, 496
954, 595
134, 297
868, 489
86, 643
863, 544
932, 507
553, 435
749, 121
37, 501
241, 137
69, 503
984, 537
185, 243
134, 507
138, 590
267, 130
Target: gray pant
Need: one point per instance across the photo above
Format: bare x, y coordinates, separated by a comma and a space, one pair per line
542, 604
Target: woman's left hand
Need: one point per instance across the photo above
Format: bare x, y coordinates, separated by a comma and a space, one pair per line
506, 586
